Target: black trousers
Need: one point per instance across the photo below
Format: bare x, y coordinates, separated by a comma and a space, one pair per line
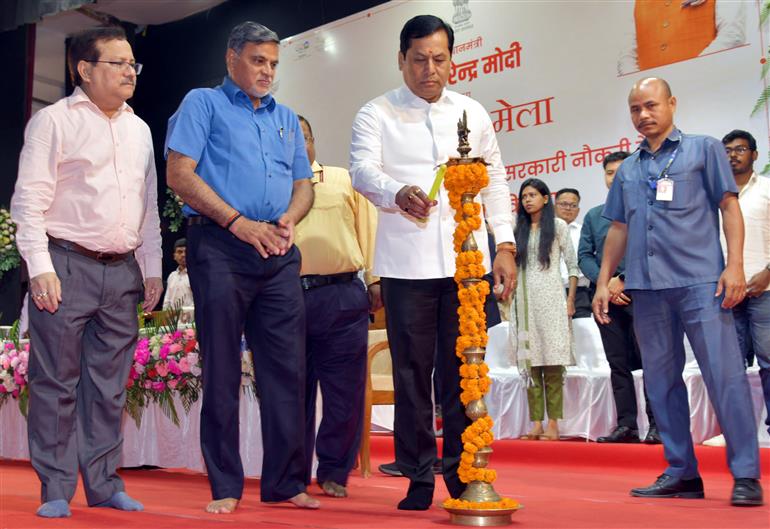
622, 353
337, 332
237, 291
422, 320
583, 297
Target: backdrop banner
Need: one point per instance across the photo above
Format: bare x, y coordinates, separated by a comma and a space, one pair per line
554, 76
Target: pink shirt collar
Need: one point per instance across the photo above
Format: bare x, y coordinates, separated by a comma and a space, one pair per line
79, 96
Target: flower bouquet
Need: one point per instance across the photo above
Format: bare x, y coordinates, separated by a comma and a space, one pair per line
165, 364
14, 363
9, 254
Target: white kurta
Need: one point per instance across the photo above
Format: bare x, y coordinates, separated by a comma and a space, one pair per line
400, 139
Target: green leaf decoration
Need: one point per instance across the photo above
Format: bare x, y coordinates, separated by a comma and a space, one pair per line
762, 101
135, 404
24, 401
14, 335
166, 403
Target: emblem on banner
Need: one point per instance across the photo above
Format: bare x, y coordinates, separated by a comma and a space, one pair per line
462, 11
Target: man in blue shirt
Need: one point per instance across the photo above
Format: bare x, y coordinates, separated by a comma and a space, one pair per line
237, 158
664, 206
618, 339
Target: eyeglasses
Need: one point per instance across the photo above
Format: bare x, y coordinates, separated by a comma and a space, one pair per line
567, 205
741, 149
121, 65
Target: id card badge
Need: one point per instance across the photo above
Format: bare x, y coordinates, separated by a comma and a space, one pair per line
665, 190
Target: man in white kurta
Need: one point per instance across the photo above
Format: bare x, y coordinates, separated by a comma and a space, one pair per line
399, 140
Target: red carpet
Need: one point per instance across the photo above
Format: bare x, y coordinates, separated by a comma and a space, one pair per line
567, 484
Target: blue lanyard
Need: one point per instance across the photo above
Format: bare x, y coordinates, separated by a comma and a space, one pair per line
653, 182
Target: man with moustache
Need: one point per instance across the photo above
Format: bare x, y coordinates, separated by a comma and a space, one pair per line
752, 315
238, 160
178, 292
86, 208
664, 206
399, 139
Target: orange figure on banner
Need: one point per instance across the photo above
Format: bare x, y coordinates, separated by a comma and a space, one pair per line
668, 31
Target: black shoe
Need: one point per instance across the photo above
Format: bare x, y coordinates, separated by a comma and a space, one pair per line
437, 466
621, 434
391, 469
670, 487
418, 498
653, 437
747, 492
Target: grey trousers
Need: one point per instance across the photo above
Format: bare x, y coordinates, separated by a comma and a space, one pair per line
79, 362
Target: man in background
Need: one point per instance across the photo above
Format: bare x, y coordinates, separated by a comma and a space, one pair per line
618, 339
752, 315
567, 203
336, 239
178, 292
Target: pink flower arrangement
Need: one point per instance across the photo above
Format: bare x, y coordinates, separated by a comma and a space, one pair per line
14, 363
164, 365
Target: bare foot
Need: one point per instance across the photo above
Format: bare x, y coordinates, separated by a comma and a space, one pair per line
334, 489
304, 501
223, 506
551, 434
533, 435
551, 431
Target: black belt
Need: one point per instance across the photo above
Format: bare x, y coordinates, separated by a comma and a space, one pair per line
315, 281
102, 257
199, 220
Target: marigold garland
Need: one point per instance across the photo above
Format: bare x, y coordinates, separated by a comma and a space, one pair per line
505, 503
460, 179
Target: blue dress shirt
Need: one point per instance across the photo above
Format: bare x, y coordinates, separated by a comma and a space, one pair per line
591, 247
249, 157
672, 244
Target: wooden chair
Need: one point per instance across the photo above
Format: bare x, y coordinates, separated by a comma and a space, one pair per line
379, 389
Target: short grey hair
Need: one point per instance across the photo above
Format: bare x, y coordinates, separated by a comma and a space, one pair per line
250, 32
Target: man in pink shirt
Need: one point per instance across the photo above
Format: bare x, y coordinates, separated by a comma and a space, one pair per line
86, 208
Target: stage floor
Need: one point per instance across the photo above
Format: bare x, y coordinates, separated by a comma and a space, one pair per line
561, 485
